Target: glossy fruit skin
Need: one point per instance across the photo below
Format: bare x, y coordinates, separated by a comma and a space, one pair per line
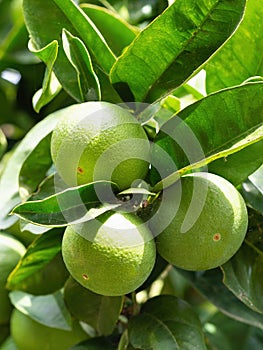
219, 226
99, 141
113, 256
11, 250
31, 335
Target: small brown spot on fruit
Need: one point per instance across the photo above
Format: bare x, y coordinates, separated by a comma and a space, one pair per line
217, 237
85, 276
80, 170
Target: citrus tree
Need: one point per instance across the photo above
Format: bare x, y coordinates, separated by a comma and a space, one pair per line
131, 176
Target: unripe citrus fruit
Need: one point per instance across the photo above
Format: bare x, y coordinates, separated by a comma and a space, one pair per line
99, 141
31, 335
209, 226
112, 256
11, 250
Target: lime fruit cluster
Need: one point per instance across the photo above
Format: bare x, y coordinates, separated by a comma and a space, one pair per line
112, 255
29, 334
99, 141
11, 251
209, 222
205, 216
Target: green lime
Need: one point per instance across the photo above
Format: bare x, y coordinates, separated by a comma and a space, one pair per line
209, 226
113, 256
99, 141
31, 335
11, 250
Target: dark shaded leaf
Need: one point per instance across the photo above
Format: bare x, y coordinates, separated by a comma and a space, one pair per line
167, 323
209, 284
100, 312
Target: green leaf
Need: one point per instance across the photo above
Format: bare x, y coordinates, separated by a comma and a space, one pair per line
55, 15
50, 86
232, 65
174, 45
242, 275
79, 57
49, 310
167, 323
215, 127
9, 181
117, 32
41, 270
247, 160
97, 343
252, 190
3, 143
101, 312
209, 284
71, 205
13, 47
35, 167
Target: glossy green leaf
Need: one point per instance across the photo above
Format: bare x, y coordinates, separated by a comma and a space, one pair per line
41, 270
242, 275
49, 310
48, 187
246, 161
215, 127
117, 32
73, 204
97, 343
167, 323
9, 181
3, 143
35, 167
172, 47
100, 312
55, 15
50, 86
242, 56
252, 190
209, 284
79, 57
41, 263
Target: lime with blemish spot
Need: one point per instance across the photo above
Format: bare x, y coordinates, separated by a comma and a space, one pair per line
111, 255
208, 225
99, 141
